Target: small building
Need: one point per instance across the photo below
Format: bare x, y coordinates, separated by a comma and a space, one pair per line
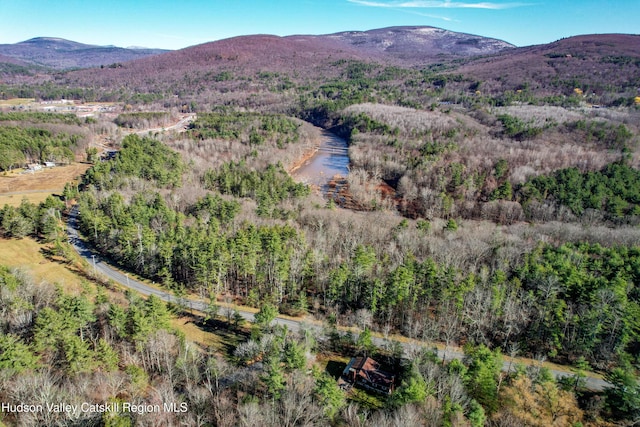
50, 164
366, 372
32, 167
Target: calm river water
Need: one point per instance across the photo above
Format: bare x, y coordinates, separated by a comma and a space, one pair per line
331, 159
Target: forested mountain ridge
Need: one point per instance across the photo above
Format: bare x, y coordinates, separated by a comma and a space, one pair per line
63, 54
418, 45
597, 64
403, 43
601, 66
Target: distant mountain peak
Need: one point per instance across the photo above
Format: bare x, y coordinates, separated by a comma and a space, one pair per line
46, 39
52, 41
420, 42
59, 53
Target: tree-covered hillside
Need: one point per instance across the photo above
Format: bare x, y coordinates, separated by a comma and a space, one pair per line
487, 209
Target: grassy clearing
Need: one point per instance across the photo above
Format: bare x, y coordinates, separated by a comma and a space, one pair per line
51, 180
213, 336
366, 400
16, 199
29, 255
16, 101
332, 363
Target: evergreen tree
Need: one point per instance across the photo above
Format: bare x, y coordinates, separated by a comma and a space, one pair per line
267, 314
78, 357
414, 389
330, 395
15, 356
274, 378
482, 376
107, 356
623, 397
293, 355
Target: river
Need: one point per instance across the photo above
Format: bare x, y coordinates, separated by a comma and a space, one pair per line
331, 159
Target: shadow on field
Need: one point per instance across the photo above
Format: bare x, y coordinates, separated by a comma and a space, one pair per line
230, 336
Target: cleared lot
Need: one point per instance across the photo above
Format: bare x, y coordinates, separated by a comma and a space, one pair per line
36, 186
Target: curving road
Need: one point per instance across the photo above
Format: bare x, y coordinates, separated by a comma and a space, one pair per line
103, 268
107, 271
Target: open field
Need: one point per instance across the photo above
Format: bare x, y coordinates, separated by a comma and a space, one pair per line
50, 180
35, 197
29, 255
16, 101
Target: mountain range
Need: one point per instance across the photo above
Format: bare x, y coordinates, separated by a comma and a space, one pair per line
607, 63
59, 53
401, 44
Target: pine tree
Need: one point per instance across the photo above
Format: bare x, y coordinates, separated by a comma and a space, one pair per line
332, 397
267, 314
414, 389
274, 378
15, 356
293, 355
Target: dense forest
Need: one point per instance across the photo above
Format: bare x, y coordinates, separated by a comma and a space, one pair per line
583, 310
572, 303
54, 345
484, 215
39, 137
206, 247
612, 190
19, 146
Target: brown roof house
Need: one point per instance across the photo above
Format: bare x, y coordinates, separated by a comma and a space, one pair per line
366, 372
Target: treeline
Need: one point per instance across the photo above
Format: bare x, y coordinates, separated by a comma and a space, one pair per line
614, 190
565, 302
37, 117
50, 91
143, 120
39, 221
19, 145
145, 158
268, 187
199, 252
249, 128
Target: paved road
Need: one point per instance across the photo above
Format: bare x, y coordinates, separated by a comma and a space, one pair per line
107, 271
123, 279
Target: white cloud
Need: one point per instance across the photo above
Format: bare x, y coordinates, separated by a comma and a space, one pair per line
443, 4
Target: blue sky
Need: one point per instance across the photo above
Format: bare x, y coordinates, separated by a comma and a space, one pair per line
176, 24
